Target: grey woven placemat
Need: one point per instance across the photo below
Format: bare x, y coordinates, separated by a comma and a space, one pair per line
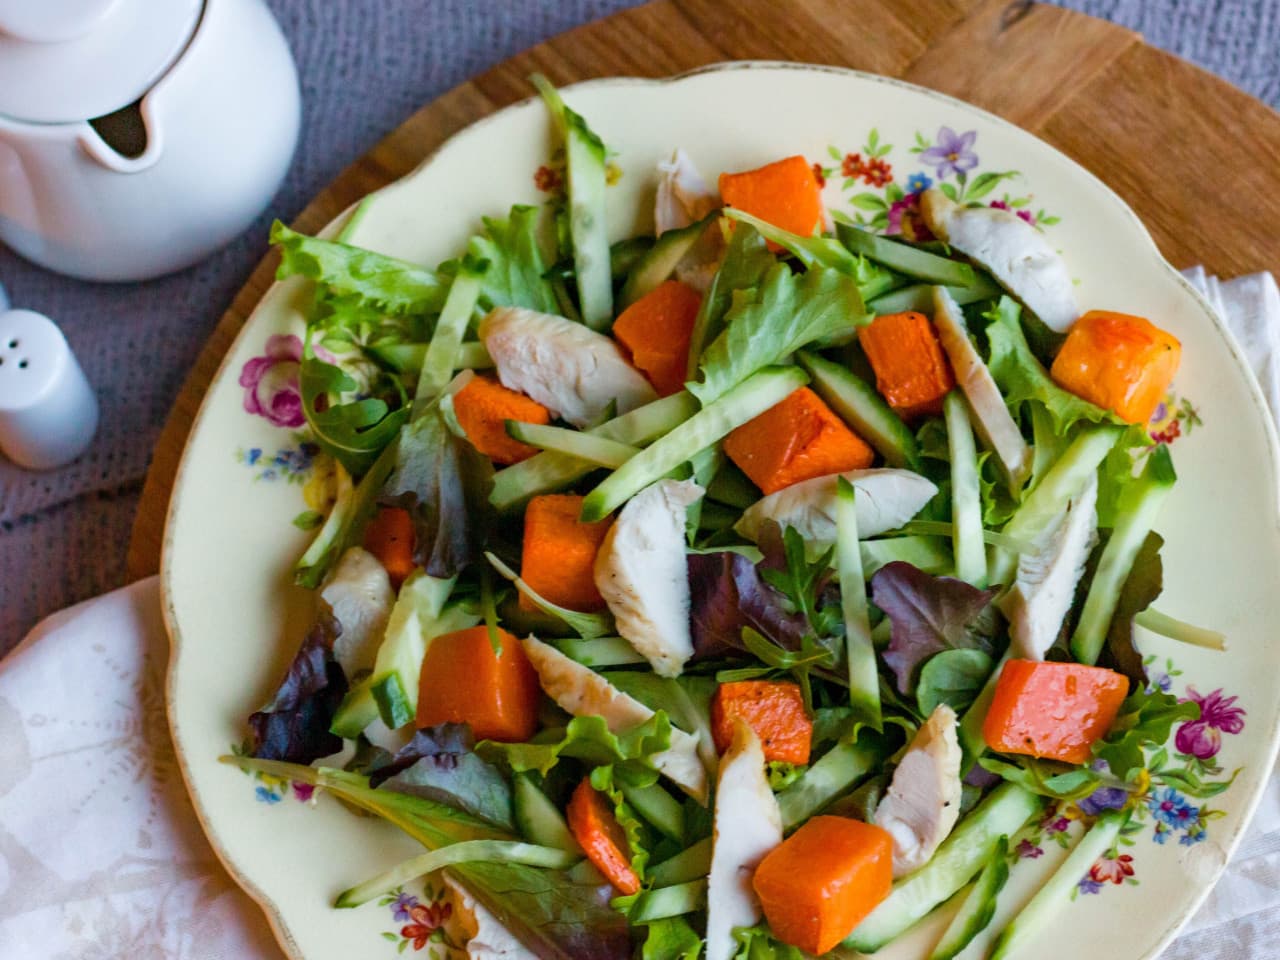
365, 66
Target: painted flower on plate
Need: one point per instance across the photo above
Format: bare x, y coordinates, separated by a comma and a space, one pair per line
1112, 869
271, 382
1202, 738
951, 153
424, 922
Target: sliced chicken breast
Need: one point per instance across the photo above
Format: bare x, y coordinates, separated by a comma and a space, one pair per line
487, 939
1045, 587
748, 824
887, 498
584, 693
923, 801
683, 196
991, 418
1016, 253
359, 595
642, 573
568, 368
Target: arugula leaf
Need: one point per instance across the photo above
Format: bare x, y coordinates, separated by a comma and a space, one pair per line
588, 739
393, 285
353, 432
1059, 781
589, 626
516, 274
953, 677
444, 483
294, 726
929, 615
746, 261
1145, 718
765, 326
800, 580
440, 763
758, 943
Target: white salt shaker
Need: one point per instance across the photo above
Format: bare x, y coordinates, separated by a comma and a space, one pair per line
48, 411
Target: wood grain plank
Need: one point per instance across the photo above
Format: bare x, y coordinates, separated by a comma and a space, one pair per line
1019, 59
1193, 155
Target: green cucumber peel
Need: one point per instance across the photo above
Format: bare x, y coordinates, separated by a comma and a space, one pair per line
691, 864
597, 451
860, 405
979, 905
835, 773
903, 258
860, 652
656, 264
966, 496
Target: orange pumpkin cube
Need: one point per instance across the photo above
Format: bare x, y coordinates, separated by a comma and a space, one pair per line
1053, 710
593, 825
389, 537
483, 408
819, 883
559, 553
784, 193
1119, 362
797, 439
912, 370
774, 709
464, 681
656, 330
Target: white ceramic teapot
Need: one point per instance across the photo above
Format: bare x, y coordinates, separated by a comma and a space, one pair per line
137, 136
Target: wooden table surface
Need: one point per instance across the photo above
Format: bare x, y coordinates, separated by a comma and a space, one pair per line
1196, 157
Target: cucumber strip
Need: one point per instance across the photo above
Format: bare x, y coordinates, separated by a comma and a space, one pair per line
966, 498
731, 487
466, 851
538, 819
744, 402
572, 443
859, 405
931, 554
690, 864
600, 652
589, 626
585, 184
1057, 892
357, 710
674, 901
1159, 622
1065, 479
1136, 514
905, 259
624, 253
549, 471
441, 357
973, 743
979, 905
919, 297
839, 769
659, 261
408, 357
326, 547
657, 807
937, 528
959, 857
864, 678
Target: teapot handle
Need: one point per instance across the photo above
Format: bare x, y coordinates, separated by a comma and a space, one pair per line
97, 146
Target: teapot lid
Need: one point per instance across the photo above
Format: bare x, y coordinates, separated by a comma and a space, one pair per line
64, 61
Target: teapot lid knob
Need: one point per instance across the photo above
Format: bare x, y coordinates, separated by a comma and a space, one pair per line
53, 21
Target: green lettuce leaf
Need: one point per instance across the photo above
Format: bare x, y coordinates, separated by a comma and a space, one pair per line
1146, 718
515, 277
670, 939
587, 739
953, 677
757, 943
767, 325
608, 780
352, 432
746, 261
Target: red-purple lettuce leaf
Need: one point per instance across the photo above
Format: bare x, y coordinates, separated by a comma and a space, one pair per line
930, 614
727, 593
294, 726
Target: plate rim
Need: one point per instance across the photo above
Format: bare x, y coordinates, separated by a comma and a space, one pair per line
274, 915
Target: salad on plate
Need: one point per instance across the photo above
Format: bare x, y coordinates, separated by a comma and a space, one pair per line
741, 590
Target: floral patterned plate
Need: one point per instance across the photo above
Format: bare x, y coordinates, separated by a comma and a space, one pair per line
252, 484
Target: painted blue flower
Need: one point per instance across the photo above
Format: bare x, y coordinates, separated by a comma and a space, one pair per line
919, 182
253, 456
1088, 885
1162, 833
266, 796
1159, 681
1170, 807
1192, 836
951, 153
401, 906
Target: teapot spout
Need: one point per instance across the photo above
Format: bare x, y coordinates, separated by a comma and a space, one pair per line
124, 141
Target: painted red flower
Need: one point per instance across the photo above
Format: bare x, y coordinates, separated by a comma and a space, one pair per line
878, 172
1112, 869
546, 179
425, 921
852, 165
819, 175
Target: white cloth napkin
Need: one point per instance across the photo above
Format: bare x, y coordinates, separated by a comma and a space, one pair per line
100, 853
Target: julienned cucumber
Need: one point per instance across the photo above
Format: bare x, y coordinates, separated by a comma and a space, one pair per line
657, 807
902, 257
537, 818
357, 710
599, 652
961, 856
837, 771
1057, 892
441, 358
597, 451
919, 297
860, 652
586, 179
966, 495
859, 404
549, 471
979, 905
1136, 514
673, 901
659, 261
408, 357
744, 402
689, 864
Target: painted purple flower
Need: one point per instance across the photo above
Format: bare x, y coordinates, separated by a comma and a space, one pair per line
1161, 411
1054, 824
1202, 738
401, 906
951, 153
1026, 850
1089, 885
271, 382
1104, 798
303, 791
1023, 213
1159, 680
